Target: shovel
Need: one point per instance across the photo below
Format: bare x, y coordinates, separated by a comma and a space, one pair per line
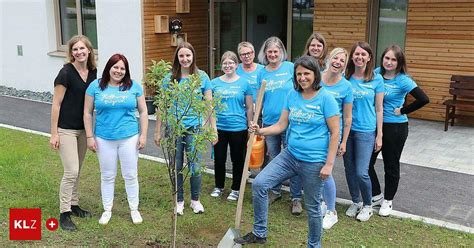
228, 240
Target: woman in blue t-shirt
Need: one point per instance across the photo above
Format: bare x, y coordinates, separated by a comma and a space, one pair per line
184, 65
117, 133
278, 73
311, 115
316, 47
366, 130
334, 82
232, 122
248, 69
395, 124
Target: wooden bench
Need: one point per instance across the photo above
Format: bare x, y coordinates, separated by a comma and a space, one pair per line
463, 87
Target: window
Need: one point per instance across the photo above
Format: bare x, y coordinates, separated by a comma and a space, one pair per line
76, 17
392, 24
302, 23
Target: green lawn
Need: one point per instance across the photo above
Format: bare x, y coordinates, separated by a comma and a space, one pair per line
30, 174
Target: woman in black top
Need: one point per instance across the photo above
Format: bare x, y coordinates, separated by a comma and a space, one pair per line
67, 125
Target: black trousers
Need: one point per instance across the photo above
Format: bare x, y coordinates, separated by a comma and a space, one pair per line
238, 146
393, 140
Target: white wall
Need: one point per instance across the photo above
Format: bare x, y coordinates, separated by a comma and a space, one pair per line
119, 28
31, 23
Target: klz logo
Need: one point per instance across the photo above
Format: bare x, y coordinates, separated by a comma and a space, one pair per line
25, 224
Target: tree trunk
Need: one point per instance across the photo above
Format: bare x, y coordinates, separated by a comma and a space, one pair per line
175, 204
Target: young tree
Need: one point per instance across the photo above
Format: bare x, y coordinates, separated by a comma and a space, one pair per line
174, 101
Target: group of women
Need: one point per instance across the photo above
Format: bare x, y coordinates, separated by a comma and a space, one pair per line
319, 107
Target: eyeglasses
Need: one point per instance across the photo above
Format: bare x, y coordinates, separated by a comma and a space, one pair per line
228, 63
246, 54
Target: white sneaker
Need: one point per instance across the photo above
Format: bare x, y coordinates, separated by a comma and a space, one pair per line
136, 217
365, 213
324, 208
354, 209
105, 218
180, 208
233, 196
197, 207
329, 219
217, 192
385, 208
377, 200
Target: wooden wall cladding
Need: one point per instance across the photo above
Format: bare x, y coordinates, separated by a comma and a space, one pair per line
341, 22
195, 24
439, 43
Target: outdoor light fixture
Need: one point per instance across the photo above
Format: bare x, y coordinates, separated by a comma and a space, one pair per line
175, 26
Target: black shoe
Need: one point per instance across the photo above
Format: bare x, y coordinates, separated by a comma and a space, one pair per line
250, 238
79, 212
65, 222
273, 197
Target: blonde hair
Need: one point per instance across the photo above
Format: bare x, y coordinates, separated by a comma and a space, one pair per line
333, 54
245, 44
91, 64
230, 55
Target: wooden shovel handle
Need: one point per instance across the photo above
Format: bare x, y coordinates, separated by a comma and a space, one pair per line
243, 182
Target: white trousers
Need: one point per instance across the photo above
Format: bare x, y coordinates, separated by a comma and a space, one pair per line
108, 152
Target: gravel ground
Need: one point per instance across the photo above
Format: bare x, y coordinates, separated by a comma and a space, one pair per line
38, 96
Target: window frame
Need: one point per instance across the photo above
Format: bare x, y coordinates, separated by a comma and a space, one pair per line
61, 49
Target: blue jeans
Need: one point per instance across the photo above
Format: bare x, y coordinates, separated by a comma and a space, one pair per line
359, 148
182, 143
274, 143
283, 167
329, 193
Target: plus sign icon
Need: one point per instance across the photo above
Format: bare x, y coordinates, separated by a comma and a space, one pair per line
25, 224
52, 224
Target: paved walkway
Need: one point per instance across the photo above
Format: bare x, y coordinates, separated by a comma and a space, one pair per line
437, 179
429, 145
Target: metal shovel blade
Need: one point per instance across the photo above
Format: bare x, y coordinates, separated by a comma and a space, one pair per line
228, 240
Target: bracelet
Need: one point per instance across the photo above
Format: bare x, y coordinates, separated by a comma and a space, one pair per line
90, 137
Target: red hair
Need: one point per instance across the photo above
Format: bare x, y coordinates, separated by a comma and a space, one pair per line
126, 81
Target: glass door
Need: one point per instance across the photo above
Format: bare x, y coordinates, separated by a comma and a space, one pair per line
226, 30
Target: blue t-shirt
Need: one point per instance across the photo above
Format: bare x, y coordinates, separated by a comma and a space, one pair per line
308, 132
115, 110
191, 119
364, 118
251, 78
342, 92
279, 83
395, 91
233, 116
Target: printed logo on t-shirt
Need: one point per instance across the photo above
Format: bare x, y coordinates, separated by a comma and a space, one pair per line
359, 94
299, 116
274, 85
390, 89
334, 93
229, 93
112, 99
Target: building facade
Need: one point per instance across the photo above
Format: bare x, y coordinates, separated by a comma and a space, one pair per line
437, 35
